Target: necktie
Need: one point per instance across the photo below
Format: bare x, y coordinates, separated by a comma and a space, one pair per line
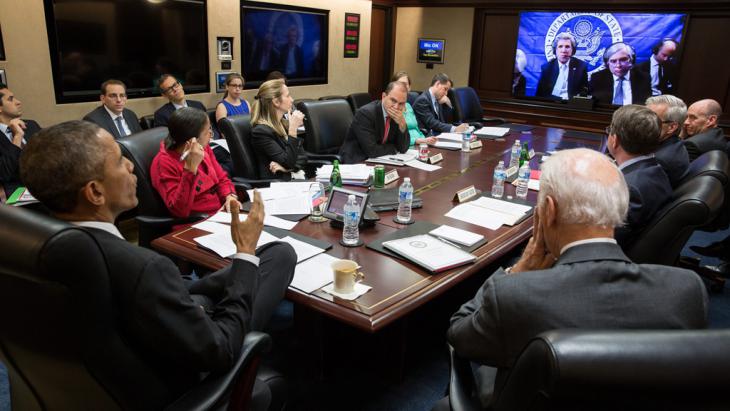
661, 74
436, 108
120, 126
618, 97
387, 130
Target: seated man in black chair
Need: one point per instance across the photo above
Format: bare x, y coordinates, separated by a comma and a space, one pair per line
572, 274
76, 169
112, 115
14, 135
429, 107
701, 132
671, 154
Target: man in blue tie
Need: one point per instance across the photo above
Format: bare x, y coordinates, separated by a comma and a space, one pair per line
564, 76
430, 111
112, 115
14, 134
621, 84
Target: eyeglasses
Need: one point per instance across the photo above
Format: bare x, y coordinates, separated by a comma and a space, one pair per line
622, 60
172, 87
236, 86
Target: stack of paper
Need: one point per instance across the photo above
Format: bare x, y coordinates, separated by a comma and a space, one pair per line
352, 174
492, 131
457, 235
393, 159
314, 273
458, 137
269, 220
449, 145
280, 200
489, 212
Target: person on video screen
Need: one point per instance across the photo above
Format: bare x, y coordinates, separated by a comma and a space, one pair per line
564, 76
622, 83
291, 54
518, 79
661, 67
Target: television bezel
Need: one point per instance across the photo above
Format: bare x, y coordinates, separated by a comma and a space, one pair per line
418, 51
2, 45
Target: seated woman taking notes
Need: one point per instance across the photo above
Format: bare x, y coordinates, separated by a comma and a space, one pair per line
416, 134
185, 171
274, 138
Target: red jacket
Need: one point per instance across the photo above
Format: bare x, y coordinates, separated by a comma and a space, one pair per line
184, 192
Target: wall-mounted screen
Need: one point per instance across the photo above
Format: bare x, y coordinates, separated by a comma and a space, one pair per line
618, 58
131, 40
291, 40
2, 46
431, 51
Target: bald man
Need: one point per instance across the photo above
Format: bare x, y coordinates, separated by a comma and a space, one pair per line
700, 132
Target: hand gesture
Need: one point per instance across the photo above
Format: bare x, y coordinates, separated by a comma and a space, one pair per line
195, 155
536, 255
17, 127
397, 116
461, 127
246, 234
296, 120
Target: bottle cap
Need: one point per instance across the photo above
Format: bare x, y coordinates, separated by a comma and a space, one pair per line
351, 197
408, 179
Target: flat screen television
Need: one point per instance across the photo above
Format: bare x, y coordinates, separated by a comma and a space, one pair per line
431, 51
291, 40
130, 40
2, 46
597, 50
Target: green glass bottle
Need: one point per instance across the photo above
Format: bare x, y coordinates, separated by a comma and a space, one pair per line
335, 177
524, 154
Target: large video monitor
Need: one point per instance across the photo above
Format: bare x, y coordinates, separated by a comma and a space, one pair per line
561, 55
132, 40
291, 40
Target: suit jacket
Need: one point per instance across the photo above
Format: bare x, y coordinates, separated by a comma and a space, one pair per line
169, 330
649, 190
577, 77
601, 86
298, 60
673, 158
365, 135
10, 158
162, 115
708, 140
590, 286
667, 82
270, 147
426, 115
101, 117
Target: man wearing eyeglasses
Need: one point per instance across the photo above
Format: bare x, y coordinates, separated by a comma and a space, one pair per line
112, 115
171, 88
621, 83
671, 154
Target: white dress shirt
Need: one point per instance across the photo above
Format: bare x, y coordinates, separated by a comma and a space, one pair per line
8, 133
114, 116
561, 83
654, 70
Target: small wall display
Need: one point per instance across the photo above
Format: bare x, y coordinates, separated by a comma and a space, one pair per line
220, 79
431, 50
2, 47
225, 48
352, 35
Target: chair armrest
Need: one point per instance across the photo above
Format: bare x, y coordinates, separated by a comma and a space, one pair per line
165, 221
461, 384
251, 182
232, 387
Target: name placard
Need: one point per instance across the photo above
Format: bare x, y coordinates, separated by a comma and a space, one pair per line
391, 176
510, 171
465, 194
435, 158
531, 153
475, 144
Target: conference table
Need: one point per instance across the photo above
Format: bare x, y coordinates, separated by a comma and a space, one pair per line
398, 286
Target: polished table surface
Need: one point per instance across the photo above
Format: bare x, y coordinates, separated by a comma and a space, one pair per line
399, 287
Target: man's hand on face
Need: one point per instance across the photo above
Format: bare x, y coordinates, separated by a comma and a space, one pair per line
17, 127
246, 234
536, 255
397, 116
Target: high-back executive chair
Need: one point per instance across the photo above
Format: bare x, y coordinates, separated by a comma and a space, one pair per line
60, 340
468, 108
608, 370
327, 98
714, 163
327, 123
147, 122
153, 217
357, 100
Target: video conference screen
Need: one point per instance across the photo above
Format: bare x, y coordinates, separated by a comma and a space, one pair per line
618, 58
290, 40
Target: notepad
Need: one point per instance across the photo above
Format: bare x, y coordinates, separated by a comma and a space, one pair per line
489, 212
222, 243
449, 145
492, 131
429, 252
457, 235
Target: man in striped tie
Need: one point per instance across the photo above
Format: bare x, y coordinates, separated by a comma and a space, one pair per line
112, 115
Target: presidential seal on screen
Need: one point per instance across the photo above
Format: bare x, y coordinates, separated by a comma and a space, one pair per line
593, 33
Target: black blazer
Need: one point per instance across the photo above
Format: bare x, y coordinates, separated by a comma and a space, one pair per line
10, 158
101, 117
270, 147
426, 115
577, 77
298, 60
602, 86
673, 157
365, 135
649, 190
668, 80
162, 115
708, 140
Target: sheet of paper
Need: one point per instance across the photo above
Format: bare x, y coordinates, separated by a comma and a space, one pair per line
221, 142
492, 131
269, 220
429, 251
458, 137
222, 243
533, 185
213, 227
303, 250
476, 215
314, 273
447, 144
299, 186
422, 166
297, 204
457, 235
502, 206
412, 152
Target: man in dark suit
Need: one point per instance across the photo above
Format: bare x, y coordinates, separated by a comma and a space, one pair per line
179, 328
112, 116
15, 133
700, 132
571, 275
620, 83
291, 59
171, 88
430, 110
564, 76
671, 154
633, 137
661, 68
378, 128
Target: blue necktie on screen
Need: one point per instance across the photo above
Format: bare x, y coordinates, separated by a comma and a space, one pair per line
618, 97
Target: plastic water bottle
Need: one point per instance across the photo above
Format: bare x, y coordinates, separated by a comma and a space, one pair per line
405, 198
465, 141
514, 157
523, 178
498, 180
350, 231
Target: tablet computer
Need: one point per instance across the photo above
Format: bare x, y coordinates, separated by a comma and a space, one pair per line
334, 210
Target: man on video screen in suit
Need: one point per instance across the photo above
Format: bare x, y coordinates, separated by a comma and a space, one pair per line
564, 76
661, 67
620, 83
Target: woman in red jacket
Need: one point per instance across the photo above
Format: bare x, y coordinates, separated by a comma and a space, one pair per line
185, 171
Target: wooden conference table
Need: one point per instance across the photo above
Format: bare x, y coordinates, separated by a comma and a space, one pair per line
399, 287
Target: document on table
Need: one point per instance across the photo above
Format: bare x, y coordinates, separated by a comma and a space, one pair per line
222, 243
281, 200
397, 159
458, 137
489, 212
303, 250
213, 227
429, 252
492, 131
422, 166
314, 273
269, 220
457, 235
447, 144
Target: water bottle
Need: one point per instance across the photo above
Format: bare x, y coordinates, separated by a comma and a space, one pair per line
498, 180
465, 141
350, 231
405, 198
514, 157
523, 178
335, 177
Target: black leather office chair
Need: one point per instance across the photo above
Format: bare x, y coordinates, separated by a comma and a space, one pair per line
237, 131
60, 340
468, 108
713, 163
357, 100
327, 98
298, 102
412, 96
147, 122
153, 217
327, 123
609, 370
693, 205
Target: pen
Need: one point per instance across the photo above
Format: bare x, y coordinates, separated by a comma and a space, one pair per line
448, 242
184, 155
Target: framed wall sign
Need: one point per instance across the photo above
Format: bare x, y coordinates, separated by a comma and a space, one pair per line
352, 35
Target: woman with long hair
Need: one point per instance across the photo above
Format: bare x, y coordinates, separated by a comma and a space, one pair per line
232, 104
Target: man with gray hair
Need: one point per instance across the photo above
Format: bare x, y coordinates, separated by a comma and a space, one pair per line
671, 154
620, 83
572, 274
564, 76
700, 132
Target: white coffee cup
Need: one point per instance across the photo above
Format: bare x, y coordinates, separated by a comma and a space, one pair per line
346, 274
